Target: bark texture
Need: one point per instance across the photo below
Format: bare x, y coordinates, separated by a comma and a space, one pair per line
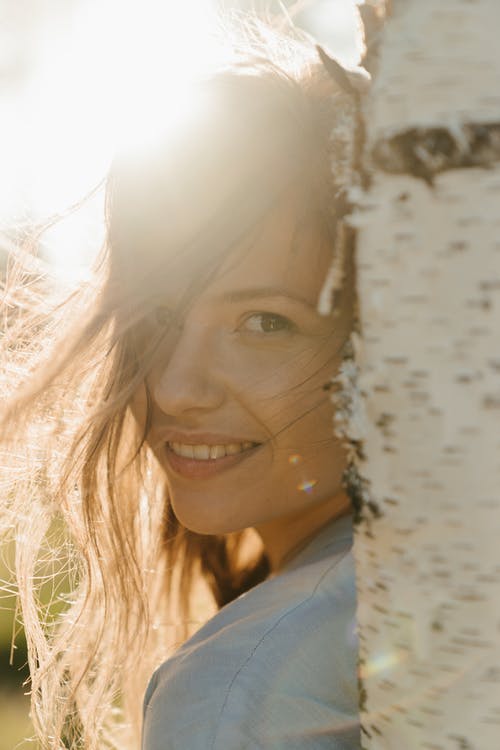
426, 411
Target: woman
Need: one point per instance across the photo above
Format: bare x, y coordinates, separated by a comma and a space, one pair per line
173, 434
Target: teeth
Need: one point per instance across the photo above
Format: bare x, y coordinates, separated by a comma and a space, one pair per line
201, 451
217, 451
183, 450
206, 452
233, 448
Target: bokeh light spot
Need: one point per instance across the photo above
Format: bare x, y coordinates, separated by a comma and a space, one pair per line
307, 485
381, 663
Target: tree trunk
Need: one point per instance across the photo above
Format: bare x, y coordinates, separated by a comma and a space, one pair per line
427, 544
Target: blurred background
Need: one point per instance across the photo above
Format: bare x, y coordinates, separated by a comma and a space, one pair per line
72, 74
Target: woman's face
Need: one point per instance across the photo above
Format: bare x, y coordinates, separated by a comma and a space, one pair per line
241, 421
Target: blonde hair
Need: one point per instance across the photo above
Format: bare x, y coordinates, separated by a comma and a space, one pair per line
81, 492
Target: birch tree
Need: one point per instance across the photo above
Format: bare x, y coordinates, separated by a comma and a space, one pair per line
425, 408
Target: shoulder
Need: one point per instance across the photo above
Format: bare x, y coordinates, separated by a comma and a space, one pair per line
284, 652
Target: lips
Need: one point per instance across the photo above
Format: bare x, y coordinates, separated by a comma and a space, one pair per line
196, 460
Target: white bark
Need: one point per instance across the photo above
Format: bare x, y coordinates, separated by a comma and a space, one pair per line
428, 261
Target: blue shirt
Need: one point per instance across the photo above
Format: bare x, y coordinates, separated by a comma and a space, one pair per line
275, 668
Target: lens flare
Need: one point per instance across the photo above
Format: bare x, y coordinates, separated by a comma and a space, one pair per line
382, 662
307, 485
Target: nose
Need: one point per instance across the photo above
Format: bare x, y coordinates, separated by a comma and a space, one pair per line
189, 380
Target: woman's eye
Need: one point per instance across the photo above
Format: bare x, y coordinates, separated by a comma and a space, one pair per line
267, 323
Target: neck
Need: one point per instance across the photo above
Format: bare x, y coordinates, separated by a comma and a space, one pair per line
283, 538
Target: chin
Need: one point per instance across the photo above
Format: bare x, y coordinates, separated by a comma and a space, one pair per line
200, 523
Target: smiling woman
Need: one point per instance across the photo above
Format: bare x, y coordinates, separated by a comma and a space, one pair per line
239, 389
174, 414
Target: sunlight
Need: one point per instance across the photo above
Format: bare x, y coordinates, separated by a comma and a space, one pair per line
144, 55
122, 61
106, 75
91, 78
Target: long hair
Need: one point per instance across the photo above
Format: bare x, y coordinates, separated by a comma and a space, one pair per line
82, 494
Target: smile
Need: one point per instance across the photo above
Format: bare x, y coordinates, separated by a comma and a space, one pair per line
202, 461
209, 452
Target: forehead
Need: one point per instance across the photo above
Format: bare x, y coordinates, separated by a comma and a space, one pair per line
195, 249
288, 251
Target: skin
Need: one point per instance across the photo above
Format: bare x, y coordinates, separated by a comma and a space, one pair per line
248, 363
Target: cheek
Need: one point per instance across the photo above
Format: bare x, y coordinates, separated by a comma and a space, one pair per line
300, 405
309, 459
302, 446
283, 372
306, 450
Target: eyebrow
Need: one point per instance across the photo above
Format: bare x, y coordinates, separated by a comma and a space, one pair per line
243, 295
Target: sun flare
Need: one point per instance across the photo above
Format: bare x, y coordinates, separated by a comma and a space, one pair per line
92, 78
104, 75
